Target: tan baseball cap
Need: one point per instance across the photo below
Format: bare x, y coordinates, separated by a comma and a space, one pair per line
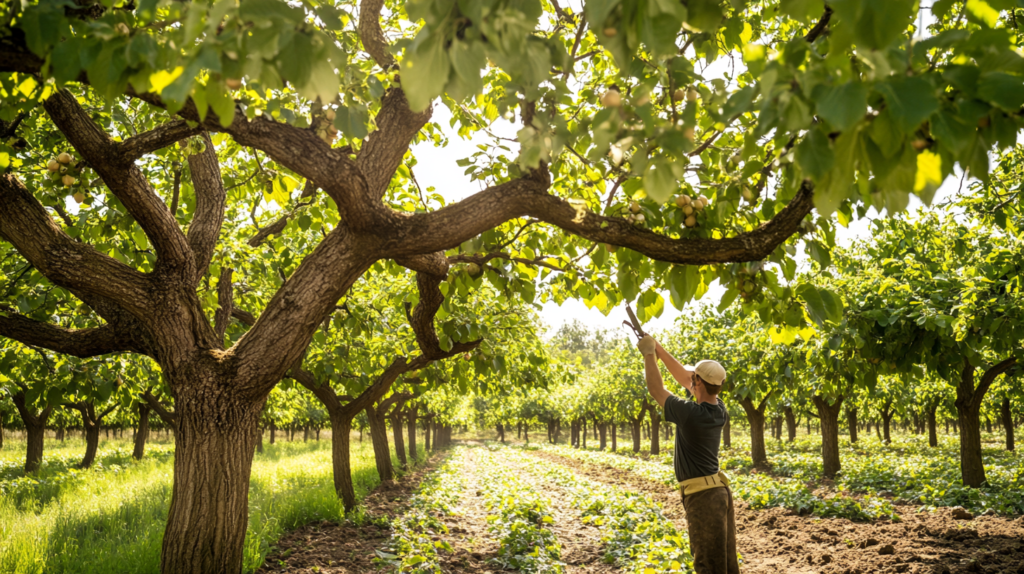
710, 371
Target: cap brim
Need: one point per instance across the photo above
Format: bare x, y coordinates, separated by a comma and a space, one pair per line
690, 368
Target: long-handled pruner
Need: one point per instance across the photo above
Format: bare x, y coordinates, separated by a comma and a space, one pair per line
633, 323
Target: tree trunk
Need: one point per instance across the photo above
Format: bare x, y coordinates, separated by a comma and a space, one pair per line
35, 429
426, 435
92, 441
933, 438
851, 420
396, 430
273, 431
142, 434
215, 439
615, 437
410, 421
755, 416
1, 434
526, 433
381, 448
968, 407
259, 443
584, 433
829, 418
519, 431
1005, 412
655, 431
790, 423
602, 429
887, 414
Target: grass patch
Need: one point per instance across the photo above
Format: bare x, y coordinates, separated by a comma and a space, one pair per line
111, 518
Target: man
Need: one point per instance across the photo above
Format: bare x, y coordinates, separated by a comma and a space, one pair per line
705, 490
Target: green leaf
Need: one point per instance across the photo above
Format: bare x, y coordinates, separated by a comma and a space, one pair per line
352, 120
814, 154
221, 102
910, 101
425, 73
1003, 90
951, 130
842, 106
813, 303
659, 181
802, 10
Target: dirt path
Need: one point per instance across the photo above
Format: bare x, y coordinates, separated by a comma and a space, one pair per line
777, 540
330, 548
467, 527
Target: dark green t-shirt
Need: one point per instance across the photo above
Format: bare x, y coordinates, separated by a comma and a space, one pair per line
698, 434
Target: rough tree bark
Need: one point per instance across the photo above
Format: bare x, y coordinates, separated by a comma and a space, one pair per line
602, 431
410, 421
933, 436
655, 430
790, 423
968, 407
727, 431
828, 415
887, 413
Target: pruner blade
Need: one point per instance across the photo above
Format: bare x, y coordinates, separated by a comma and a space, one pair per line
634, 323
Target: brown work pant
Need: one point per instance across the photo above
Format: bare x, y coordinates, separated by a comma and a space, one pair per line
712, 525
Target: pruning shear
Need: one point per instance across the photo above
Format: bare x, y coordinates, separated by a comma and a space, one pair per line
633, 323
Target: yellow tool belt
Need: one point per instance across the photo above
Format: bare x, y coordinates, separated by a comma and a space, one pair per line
695, 485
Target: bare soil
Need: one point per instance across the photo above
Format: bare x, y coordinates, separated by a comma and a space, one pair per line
778, 540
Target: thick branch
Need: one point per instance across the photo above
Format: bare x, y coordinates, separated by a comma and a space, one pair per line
25, 223
125, 180
224, 302
166, 415
371, 34
448, 227
210, 201
156, 138
82, 343
991, 375
386, 146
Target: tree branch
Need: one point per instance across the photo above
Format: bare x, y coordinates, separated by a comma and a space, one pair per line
818, 28
225, 303
204, 229
167, 416
157, 138
125, 180
371, 33
82, 343
448, 227
25, 223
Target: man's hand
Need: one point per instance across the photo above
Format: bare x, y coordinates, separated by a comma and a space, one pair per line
647, 345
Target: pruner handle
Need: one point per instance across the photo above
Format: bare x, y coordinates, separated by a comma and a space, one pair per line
634, 323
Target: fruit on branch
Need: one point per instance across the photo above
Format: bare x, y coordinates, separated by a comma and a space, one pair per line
700, 203
611, 99
473, 270
690, 221
68, 180
610, 32
688, 209
638, 218
679, 95
79, 197
634, 207
920, 144
683, 200
233, 83
748, 194
691, 95
467, 357
64, 158
330, 114
615, 152
123, 29
52, 165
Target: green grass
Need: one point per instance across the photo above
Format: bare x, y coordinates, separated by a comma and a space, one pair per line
111, 518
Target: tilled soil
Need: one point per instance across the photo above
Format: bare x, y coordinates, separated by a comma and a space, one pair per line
778, 540
330, 548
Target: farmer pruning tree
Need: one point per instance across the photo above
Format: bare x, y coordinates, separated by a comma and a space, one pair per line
705, 489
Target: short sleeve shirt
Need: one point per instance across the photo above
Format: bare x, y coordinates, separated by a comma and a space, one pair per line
698, 435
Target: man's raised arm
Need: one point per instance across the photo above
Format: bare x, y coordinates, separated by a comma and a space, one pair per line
655, 385
680, 374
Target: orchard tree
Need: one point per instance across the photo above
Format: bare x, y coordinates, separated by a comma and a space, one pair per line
837, 107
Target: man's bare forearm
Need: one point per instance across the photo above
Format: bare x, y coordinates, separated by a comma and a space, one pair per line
655, 384
675, 368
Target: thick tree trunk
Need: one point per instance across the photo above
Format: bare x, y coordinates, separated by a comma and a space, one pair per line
655, 430
790, 423
381, 448
396, 431
341, 431
215, 440
410, 421
968, 407
92, 441
142, 434
851, 421
602, 429
1005, 412
829, 418
755, 416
